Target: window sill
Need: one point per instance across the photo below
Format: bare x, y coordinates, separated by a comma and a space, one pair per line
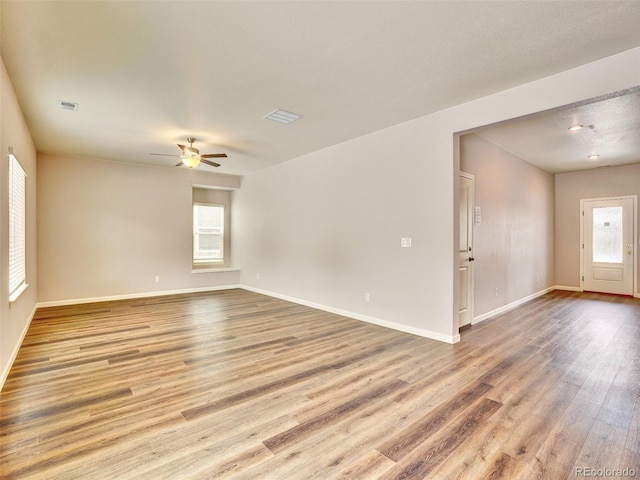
214, 269
15, 295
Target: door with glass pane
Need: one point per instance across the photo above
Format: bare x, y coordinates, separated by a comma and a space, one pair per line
608, 245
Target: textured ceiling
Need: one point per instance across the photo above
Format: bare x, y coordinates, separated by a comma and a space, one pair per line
611, 130
149, 74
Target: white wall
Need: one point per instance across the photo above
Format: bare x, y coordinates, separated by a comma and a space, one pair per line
570, 189
15, 318
325, 228
106, 229
514, 242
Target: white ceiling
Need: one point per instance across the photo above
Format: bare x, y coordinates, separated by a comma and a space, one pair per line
611, 129
149, 74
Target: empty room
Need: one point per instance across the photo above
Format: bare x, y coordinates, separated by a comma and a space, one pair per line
319, 239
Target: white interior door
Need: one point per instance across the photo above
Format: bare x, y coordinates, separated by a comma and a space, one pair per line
465, 262
608, 248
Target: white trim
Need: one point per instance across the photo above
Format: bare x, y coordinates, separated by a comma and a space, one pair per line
130, 296
17, 292
510, 306
12, 358
214, 269
472, 270
567, 288
634, 216
376, 321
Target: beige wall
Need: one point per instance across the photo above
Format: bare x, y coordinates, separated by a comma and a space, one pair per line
107, 229
325, 228
570, 189
514, 242
15, 318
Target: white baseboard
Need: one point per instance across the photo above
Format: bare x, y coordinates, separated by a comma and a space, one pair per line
5, 373
567, 289
578, 289
129, 296
365, 318
510, 306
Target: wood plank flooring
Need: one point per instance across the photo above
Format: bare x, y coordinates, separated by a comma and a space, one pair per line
234, 384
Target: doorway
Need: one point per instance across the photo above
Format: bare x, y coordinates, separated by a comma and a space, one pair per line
608, 250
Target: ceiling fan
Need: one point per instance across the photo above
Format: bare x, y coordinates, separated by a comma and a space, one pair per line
190, 156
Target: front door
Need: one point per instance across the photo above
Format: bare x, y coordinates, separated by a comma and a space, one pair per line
608, 245
465, 258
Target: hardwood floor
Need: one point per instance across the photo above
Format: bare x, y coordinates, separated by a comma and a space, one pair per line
234, 384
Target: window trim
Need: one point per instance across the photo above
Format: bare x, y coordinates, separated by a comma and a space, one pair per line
208, 264
19, 197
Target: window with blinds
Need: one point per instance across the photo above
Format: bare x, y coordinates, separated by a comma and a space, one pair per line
208, 234
17, 229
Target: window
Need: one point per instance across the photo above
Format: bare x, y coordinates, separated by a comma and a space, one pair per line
17, 229
208, 234
607, 235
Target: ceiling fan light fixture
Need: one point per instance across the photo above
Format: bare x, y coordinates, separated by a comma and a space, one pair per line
575, 128
191, 160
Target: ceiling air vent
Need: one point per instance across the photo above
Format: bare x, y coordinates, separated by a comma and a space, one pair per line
68, 105
282, 116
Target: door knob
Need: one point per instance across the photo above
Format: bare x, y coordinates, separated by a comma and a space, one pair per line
471, 259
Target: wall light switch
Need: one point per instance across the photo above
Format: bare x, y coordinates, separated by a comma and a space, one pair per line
477, 215
405, 242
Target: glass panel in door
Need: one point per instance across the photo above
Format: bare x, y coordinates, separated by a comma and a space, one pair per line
607, 235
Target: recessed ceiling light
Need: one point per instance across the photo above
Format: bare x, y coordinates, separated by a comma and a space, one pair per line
282, 116
575, 128
593, 156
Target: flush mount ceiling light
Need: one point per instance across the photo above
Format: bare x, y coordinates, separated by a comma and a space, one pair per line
593, 156
282, 116
575, 128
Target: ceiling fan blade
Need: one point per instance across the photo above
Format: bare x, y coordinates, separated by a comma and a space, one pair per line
213, 164
214, 155
179, 164
183, 148
164, 154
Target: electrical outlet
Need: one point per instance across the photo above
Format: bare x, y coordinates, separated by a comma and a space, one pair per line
496, 291
157, 278
257, 276
367, 297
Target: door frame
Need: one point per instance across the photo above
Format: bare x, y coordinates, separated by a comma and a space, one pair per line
634, 216
471, 276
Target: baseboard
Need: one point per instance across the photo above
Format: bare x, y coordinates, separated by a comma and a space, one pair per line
5, 373
567, 289
365, 318
578, 289
130, 296
511, 306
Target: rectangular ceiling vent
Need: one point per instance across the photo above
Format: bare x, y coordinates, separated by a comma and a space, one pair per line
68, 105
282, 116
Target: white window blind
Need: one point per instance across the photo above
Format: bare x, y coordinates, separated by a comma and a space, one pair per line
17, 228
208, 233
